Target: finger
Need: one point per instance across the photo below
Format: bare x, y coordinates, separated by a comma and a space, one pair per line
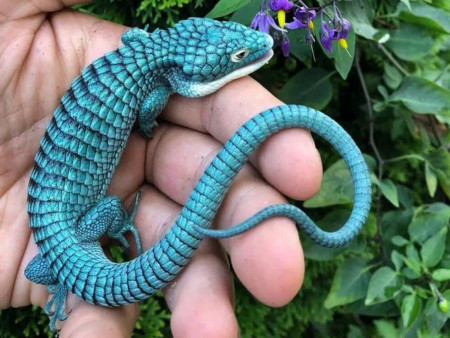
81, 38
200, 298
288, 160
86, 320
269, 259
13, 10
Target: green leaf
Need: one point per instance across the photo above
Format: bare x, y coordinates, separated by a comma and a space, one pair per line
343, 59
397, 259
395, 223
389, 191
349, 283
225, 7
407, 4
444, 4
360, 14
433, 249
354, 332
337, 187
427, 221
386, 329
439, 160
245, 14
431, 179
411, 307
412, 253
399, 241
435, 319
441, 275
425, 15
410, 273
299, 48
412, 259
383, 286
383, 91
410, 42
388, 309
405, 196
422, 96
392, 77
309, 87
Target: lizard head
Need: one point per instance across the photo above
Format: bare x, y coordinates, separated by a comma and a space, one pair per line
209, 54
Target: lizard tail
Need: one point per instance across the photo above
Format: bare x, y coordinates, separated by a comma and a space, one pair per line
283, 117
89, 274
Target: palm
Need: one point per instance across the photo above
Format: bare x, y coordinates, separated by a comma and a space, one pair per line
43, 54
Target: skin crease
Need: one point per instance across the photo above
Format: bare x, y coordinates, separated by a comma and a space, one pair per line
40, 53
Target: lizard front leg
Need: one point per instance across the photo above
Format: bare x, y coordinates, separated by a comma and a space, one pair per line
152, 106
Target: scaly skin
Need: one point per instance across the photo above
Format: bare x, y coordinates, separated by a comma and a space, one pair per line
83, 143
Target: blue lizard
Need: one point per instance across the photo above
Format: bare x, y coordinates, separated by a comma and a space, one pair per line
67, 203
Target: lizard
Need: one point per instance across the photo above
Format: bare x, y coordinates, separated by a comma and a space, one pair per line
67, 203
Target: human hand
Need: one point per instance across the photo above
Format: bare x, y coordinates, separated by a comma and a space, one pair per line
40, 54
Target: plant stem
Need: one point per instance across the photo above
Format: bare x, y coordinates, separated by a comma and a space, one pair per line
316, 8
393, 60
380, 160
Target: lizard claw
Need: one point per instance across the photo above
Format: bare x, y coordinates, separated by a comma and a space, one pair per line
56, 305
128, 225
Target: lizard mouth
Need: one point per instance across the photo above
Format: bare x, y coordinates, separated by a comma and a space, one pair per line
253, 66
210, 87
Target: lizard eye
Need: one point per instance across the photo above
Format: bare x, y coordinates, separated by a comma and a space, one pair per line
239, 55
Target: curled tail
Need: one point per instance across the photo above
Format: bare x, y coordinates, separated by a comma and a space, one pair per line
272, 120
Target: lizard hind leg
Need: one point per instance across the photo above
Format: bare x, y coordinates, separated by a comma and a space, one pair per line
109, 217
127, 224
38, 271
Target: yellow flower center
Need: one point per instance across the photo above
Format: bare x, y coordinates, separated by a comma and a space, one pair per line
281, 18
343, 43
310, 24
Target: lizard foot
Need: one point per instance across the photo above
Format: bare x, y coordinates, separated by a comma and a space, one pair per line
109, 217
128, 225
56, 305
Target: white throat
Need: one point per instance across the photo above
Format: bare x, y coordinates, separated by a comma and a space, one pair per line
203, 89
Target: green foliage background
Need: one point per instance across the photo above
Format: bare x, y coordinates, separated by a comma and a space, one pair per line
393, 96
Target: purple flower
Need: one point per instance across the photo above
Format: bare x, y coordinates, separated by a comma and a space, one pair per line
303, 14
285, 45
327, 35
280, 5
302, 18
343, 27
263, 21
